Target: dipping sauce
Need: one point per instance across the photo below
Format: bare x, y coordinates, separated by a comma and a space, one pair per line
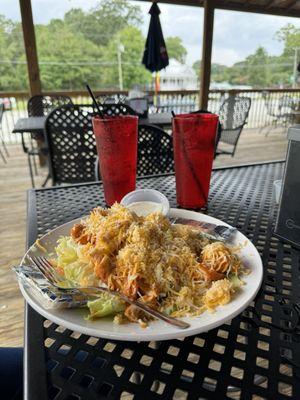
143, 208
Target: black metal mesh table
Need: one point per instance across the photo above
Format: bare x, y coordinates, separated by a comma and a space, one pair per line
255, 356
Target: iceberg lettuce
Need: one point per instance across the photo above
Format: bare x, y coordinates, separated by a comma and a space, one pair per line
70, 260
105, 305
66, 251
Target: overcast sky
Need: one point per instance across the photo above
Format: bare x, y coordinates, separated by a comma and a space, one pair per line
236, 34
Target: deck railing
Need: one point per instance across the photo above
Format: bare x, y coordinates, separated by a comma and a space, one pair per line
265, 103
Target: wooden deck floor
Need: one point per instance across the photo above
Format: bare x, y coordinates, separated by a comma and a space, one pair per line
14, 181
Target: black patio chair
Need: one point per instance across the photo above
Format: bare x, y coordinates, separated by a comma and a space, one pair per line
233, 117
111, 99
140, 105
71, 143
155, 152
279, 110
72, 146
2, 136
39, 106
114, 109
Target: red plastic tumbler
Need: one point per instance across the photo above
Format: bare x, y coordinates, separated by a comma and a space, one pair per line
194, 138
116, 139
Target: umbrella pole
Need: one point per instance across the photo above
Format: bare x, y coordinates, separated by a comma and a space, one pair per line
157, 88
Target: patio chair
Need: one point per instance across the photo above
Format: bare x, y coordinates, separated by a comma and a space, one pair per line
233, 117
114, 109
112, 99
39, 106
72, 146
71, 143
2, 136
140, 105
155, 152
280, 111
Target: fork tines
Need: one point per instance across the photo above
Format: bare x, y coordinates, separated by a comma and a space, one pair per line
46, 268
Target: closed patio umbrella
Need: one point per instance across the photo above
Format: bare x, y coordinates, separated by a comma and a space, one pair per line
155, 54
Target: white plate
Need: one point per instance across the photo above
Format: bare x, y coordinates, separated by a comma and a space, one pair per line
157, 330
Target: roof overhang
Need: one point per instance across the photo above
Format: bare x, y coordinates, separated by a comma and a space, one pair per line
285, 8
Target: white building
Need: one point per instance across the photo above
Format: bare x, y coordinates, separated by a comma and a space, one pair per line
178, 76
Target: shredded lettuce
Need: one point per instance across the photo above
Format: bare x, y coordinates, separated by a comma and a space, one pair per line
105, 305
71, 261
80, 273
66, 251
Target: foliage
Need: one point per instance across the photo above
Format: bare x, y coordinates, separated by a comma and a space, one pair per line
176, 48
104, 20
66, 58
260, 69
132, 43
13, 71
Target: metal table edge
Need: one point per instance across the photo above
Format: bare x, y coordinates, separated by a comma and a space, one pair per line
35, 353
157, 175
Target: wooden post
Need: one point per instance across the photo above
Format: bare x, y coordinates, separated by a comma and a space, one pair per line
30, 48
208, 28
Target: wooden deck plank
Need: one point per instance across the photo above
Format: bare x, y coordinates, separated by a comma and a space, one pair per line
14, 181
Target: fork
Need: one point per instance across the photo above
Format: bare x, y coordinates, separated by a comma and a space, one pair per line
50, 274
221, 233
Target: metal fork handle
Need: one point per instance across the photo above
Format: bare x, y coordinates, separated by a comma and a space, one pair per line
50, 276
94, 291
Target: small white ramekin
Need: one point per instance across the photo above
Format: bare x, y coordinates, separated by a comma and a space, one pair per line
147, 195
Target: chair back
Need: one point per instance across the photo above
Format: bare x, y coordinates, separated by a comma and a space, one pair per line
233, 116
139, 105
111, 99
72, 146
155, 151
234, 112
39, 105
271, 105
116, 109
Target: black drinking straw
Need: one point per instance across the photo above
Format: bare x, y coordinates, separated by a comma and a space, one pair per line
94, 101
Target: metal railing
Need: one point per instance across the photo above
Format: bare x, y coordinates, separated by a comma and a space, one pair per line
266, 104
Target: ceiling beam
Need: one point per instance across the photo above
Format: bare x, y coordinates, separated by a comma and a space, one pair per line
244, 7
291, 5
269, 4
258, 9
285, 5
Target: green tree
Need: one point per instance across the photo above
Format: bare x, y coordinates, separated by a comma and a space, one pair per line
66, 60
13, 71
289, 35
257, 68
134, 73
176, 48
219, 72
103, 21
